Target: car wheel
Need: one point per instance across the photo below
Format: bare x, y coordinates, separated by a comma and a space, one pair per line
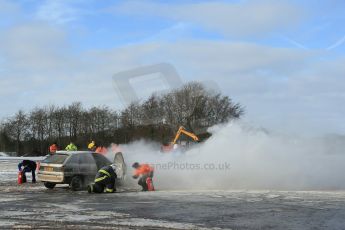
76, 183
49, 185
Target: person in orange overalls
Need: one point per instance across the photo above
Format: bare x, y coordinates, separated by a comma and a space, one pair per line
146, 173
101, 150
53, 148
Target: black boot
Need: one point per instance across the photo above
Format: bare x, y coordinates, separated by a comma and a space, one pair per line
90, 188
24, 178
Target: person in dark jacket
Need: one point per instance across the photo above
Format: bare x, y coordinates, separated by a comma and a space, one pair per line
28, 166
105, 179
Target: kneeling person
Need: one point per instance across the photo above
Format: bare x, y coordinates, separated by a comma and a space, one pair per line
105, 178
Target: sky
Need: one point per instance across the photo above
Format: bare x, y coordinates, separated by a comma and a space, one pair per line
282, 60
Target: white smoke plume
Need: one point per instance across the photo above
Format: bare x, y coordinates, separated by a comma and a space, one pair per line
238, 157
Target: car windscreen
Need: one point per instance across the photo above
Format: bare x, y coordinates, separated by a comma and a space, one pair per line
56, 159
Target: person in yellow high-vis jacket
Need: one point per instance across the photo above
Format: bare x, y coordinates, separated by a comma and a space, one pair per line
71, 147
105, 179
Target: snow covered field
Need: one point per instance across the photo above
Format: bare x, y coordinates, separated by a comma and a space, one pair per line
8, 171
32, 206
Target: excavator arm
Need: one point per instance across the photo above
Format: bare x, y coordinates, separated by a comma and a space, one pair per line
182, 130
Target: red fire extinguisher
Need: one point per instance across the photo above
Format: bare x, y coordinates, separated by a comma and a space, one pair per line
20, 177
149, 183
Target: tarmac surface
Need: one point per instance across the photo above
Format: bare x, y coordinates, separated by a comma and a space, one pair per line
32, 206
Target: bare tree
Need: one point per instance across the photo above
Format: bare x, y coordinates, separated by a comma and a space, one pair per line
152, 114
58, 119
100, 120
132, 116
192, 106
17, 128
73, 114
39, 126
51, 131
4, 138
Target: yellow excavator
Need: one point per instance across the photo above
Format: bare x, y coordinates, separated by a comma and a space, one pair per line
181, 130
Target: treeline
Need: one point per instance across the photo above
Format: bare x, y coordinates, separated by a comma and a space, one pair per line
156, 118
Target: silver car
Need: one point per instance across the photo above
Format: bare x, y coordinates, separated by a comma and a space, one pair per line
76, 168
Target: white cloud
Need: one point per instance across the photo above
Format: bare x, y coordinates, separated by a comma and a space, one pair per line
246, 18
61, 12
340, 42
32, 47
172, 33
284, 89
8, 7
280, 88
277, 86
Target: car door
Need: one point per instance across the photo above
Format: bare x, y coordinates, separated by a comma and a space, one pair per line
72, 166
120, 165
87, 166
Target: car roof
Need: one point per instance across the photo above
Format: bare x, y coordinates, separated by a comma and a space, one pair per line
72, 152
